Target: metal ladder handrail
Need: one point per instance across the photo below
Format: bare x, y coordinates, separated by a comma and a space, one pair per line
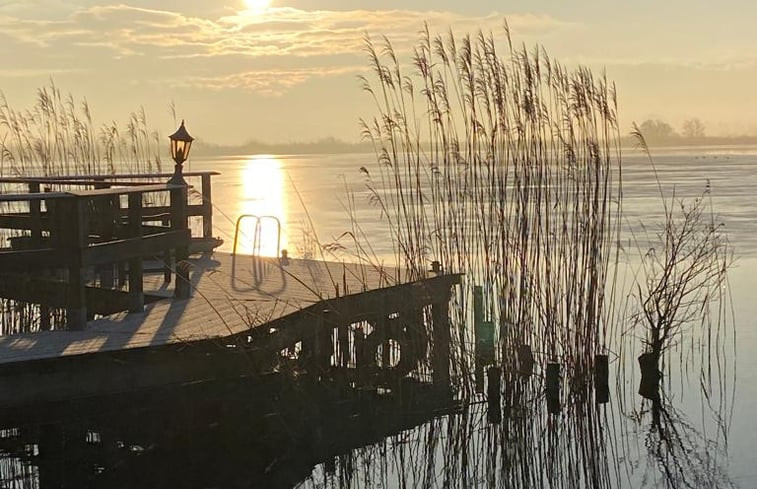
256, 242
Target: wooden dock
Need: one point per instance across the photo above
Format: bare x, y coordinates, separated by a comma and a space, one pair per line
228, 295
207, 317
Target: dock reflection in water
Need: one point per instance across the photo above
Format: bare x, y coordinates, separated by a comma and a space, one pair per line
261, 433
269, 433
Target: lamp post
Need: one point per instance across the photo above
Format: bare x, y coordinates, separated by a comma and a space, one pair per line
181, 141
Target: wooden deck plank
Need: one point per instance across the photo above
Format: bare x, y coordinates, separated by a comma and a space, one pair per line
228, 296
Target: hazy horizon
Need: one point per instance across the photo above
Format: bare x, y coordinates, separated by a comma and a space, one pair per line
287, 72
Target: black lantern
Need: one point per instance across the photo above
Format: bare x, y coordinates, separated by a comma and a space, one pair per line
181, 141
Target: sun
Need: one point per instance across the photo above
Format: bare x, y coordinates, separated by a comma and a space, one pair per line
257, 5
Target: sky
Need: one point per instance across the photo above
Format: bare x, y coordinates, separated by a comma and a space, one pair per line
237, 70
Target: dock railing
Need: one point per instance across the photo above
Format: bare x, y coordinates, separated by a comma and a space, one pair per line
61, 239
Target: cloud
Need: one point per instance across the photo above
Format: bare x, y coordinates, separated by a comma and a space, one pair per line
37, 72
281, 43
278, 31
273, 82
720, 62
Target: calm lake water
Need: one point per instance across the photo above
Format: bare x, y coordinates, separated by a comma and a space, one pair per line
309, 193
217, 442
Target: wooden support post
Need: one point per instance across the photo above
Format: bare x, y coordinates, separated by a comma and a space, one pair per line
441, 349
136, 295
383, 325
207, 207
344, 344
325, 341
181, 252
44, 318
359, 345
317, 345
35, 212
76, 239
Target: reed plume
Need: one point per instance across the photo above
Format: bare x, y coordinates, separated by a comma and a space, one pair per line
505, 167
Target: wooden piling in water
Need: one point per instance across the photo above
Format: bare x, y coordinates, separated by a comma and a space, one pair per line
553, 388
494, 395
601, 379
525, 359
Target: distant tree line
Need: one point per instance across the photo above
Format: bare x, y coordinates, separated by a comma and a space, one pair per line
657, 131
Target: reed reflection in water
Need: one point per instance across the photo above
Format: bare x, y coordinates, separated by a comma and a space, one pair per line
291, 434
263, 198
588, 445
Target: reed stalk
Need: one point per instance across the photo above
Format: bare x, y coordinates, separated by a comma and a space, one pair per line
504, 166
56, 136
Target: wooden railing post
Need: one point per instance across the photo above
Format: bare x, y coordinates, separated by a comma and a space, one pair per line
106, 211
35, 212
207, 207
136, 296
73, 220
181, 253
317, 345
166, 222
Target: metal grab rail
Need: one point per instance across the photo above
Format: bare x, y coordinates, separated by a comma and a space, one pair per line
257, 238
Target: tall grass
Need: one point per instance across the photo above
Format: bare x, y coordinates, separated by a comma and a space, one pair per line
505, 166
589, 447
57, 136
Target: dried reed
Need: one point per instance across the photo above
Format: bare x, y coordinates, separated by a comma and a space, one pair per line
505, 168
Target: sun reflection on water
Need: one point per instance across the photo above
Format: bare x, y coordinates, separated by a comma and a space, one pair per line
263, 196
